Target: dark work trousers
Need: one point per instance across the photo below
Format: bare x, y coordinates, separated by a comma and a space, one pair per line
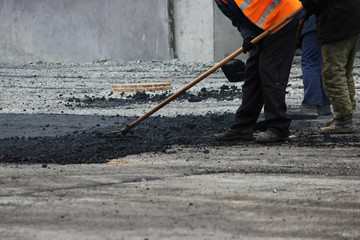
266, 76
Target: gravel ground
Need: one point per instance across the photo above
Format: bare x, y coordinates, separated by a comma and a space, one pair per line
55, 88
171, 179
48, 108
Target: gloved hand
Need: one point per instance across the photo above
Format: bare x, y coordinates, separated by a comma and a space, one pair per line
247, 45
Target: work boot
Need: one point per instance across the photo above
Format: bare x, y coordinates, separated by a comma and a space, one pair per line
269, 137
324, 110
303, 112
331, 122
235, 134
341, 125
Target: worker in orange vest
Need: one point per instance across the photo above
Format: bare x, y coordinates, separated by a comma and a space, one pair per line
267, 69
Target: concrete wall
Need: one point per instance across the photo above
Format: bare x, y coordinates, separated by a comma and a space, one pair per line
227, 38
92, 30
193, 30
84, 30
202, 32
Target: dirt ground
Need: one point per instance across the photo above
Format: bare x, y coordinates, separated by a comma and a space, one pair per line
171, 179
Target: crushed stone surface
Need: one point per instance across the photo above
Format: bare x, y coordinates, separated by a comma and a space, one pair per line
61, 179
52, 113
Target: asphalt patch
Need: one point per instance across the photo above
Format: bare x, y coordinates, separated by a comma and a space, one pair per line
155, 134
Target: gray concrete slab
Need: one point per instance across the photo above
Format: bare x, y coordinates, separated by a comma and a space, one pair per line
90, 31
84, 31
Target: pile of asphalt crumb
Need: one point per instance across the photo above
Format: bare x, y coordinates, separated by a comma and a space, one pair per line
156, 134
153, 135
225, 93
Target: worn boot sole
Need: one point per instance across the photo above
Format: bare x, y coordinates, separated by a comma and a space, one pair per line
269, 137
334, 130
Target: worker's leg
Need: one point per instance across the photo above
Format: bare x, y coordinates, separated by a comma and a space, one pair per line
251, 103
349, 71
336, 73
311, 65
252, 100
339, 83
275, 64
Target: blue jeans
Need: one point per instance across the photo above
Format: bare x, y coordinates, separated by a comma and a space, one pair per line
311, 65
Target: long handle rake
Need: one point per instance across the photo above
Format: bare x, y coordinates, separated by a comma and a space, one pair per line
128, 127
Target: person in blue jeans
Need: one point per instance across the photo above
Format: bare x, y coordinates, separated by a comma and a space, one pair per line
315, 101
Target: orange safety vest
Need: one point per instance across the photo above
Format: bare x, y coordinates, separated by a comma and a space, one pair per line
266, 13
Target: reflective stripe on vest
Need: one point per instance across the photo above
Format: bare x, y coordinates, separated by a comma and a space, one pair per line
266, 13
